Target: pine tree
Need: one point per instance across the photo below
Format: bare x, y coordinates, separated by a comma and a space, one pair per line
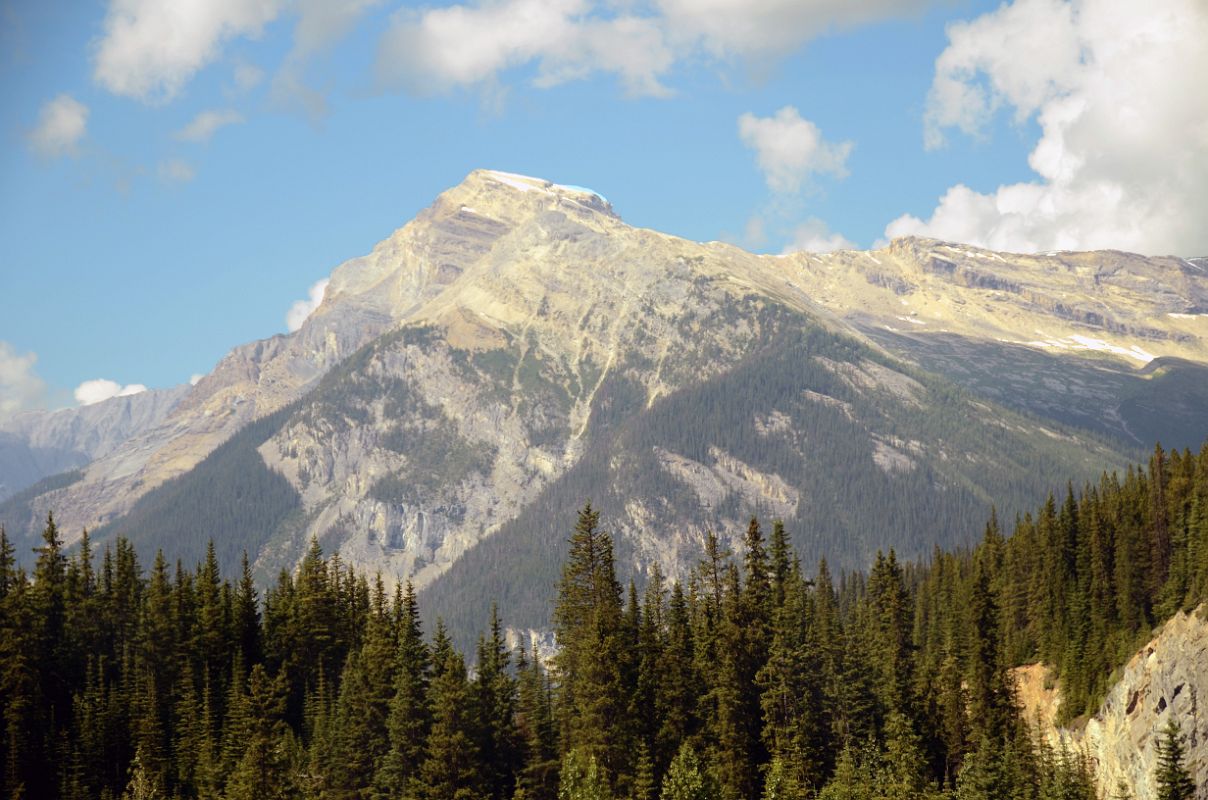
685, 779
357, 734
1171, 775
589, 627
264, 771
676, 699
737, 752
538, 777
582, 778
792, 700
246, 623
145, 784
409, 715
888, 633
644, 785
854, 777
495, 700
450, 770
903, 770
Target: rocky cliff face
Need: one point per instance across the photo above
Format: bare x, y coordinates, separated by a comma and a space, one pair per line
517, 346
41, 443
1166, 679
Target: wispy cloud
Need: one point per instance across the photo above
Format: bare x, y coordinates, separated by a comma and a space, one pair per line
62, 124
815, 236
20, 387
174, 170
203, 127
247, 77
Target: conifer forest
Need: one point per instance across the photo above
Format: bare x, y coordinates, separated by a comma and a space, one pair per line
753, 677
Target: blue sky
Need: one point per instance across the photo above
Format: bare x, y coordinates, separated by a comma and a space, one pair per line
170, 185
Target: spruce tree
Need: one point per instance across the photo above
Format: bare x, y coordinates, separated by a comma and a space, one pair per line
1171, 775
495, 708
589, 627
538, 777
263, 771
409, 714
451, 769
583, 778
685, 779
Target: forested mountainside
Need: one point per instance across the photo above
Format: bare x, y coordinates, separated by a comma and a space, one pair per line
517, 348
853, 450
751, 677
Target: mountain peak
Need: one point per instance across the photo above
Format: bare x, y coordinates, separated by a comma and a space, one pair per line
492, 183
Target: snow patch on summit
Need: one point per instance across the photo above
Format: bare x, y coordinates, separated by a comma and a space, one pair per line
581, 190
527, 183
522, 182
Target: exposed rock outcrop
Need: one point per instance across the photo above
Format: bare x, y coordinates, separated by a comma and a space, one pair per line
1167, 679
453, 375
40, 443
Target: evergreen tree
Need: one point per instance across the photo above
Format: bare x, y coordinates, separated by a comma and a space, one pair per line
644, 785
409, 715
854, 777
1171, 775
495, 701
588, 625
582, 778
538, 777
685, 779
792, 699
450, 770
263, 772
676, 699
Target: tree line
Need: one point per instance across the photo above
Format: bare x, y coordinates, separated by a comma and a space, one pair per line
748, 678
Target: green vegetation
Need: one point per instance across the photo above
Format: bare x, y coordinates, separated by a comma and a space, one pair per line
231, 498
17, 512
969, 458
1174, 781
748, 679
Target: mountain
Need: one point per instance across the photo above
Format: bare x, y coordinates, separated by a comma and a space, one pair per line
37, 444
517, 349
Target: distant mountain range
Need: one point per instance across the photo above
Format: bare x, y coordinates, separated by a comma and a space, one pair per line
517, 349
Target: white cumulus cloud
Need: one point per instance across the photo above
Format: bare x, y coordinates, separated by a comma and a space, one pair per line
789, 149
95, 391
149, 49
470, 44
20, 387
202, 127
1118, 92
301, 309
814, 236
62, 123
